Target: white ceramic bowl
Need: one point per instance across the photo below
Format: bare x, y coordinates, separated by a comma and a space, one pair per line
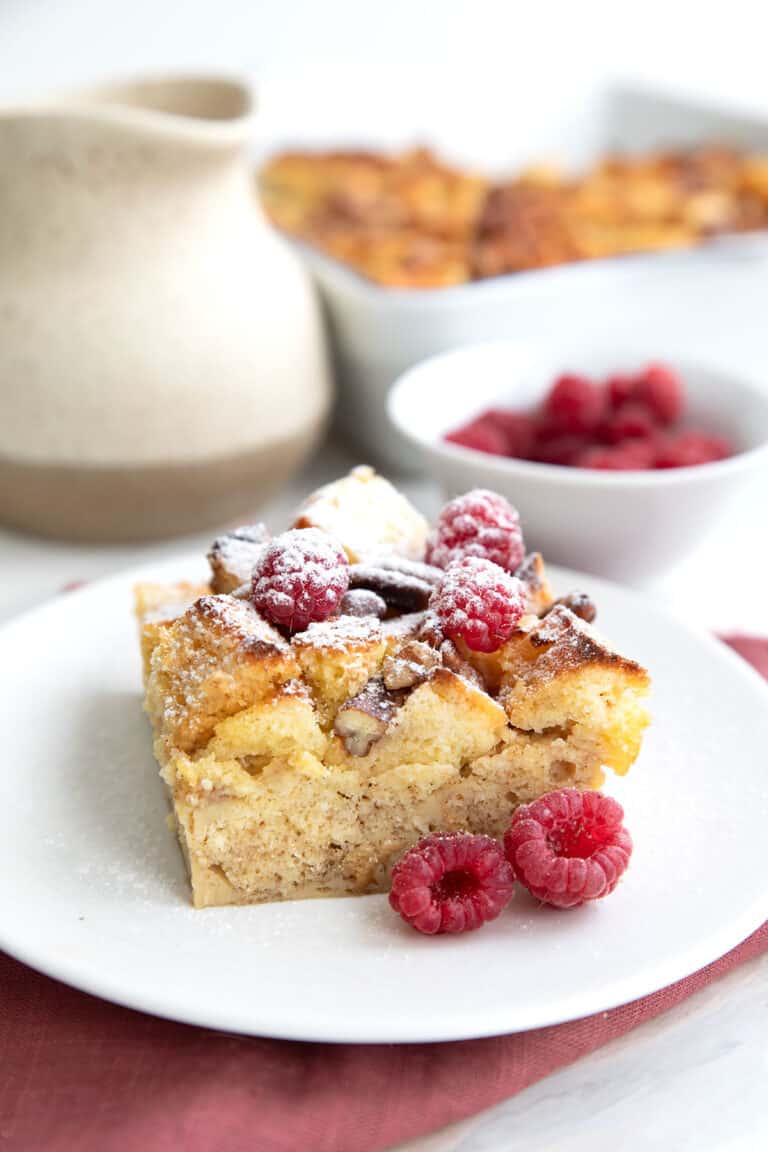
627, 525
377, 333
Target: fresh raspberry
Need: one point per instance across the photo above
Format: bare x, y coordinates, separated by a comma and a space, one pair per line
631, 422
479, 603
569, 846
631, 455
562, 449
481, 435
690, 448
517, 428
619, 389
479, 523
300, 578
661, 390
603, 459
574, 404
451, 883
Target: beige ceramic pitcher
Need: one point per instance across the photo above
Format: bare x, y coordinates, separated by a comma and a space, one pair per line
161, 354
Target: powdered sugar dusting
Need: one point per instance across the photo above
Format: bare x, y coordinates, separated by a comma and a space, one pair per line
399, 628
479, 523
479, 603
570, 642
410, 665
238, 619
210, 640
362, 602
300, 578
342, 633
234, 557
366, 514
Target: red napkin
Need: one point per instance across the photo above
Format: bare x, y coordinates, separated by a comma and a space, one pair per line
81, 1075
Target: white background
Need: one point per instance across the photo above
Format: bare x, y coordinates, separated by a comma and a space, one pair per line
468, 71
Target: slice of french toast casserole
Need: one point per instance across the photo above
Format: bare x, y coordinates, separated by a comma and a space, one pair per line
303, 761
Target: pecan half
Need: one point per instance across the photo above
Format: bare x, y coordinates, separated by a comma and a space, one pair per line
416, 568
580, 604
400, 590
362, 602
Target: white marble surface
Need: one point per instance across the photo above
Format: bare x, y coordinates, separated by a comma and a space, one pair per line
693, 1080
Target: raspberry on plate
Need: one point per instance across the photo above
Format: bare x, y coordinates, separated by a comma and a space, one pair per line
300, 578
479, 523
451, 883
574, 404
569, 846
479, 603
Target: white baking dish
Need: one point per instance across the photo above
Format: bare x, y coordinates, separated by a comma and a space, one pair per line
686, 300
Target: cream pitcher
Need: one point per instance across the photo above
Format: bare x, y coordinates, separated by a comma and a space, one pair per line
162, 362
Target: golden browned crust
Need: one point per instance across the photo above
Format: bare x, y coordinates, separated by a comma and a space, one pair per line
568, 642
367, 515
562, 676
337, 659
413, 221
215, 659
402, 220
155, 605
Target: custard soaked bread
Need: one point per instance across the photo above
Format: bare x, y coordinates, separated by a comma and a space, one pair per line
413, 221
303, 760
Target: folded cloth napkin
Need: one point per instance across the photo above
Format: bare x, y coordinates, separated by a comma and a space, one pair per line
79, 1075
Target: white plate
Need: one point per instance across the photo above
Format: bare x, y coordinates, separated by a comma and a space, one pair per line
94, 891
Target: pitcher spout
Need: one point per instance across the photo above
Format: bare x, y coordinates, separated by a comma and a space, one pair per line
207, 110
206, 106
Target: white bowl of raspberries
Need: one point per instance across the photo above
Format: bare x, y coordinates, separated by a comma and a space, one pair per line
618, 463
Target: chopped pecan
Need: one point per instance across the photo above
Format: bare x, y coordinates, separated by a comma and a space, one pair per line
364, 719
410, 665
416, 568
398, 629
580, 604
430, 630
455, 662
